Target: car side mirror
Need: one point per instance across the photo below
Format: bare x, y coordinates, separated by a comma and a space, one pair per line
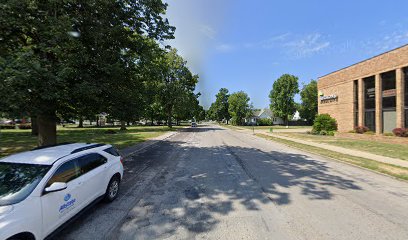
55, 187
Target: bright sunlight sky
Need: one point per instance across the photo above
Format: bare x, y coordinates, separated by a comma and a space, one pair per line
246, 45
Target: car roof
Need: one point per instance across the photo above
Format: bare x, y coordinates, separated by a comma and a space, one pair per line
48, 155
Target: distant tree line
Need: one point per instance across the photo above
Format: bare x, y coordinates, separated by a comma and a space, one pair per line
236, 107
75, 59
282, 97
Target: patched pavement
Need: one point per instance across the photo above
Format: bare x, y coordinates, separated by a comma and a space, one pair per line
214, 183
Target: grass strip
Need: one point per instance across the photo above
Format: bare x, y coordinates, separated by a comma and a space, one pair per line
388, 169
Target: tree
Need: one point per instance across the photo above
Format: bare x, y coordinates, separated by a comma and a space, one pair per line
63, 57
221, 105
239, 107
175, 82
309, 97
282, 96
211, 112
200, 113
187, 107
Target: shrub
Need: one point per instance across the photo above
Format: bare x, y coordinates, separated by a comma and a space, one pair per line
388, 134
361, 129
323, 132
25, 126
324, 122
369, 132
400, 132
330, 133
264, 122
314, 132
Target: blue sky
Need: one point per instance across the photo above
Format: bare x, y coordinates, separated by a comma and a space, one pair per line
247, 45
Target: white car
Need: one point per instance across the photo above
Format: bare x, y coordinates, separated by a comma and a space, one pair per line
42, 189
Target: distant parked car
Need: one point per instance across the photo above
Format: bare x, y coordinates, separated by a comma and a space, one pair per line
7, 122
42, 189
193, 124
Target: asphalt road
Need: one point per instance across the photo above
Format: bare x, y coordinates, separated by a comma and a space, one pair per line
214, 183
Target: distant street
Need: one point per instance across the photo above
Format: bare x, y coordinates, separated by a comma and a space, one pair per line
214, 183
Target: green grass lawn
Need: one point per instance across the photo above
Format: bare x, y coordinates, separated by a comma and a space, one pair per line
393, 150
13, 141
265, 127
395, 171
276, 127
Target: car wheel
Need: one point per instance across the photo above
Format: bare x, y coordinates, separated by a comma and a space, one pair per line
112, 190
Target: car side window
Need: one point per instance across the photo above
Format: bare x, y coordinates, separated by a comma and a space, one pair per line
65, 173
112, 151
89, 162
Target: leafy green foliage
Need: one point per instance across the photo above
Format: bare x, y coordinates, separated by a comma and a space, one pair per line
282, 96
324, 122
239, 107
78, 58
176, 85
221, 106
264, 122
309, 97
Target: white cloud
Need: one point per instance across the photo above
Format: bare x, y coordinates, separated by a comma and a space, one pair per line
295, 46
307, 45
269, 43
386, 42
274, 41
224, 47
208, 31
393, 40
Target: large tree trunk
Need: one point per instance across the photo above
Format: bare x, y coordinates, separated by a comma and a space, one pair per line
81, 122
47, 130
123, 125
34, 126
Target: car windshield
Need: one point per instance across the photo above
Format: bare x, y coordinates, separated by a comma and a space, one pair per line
18, 180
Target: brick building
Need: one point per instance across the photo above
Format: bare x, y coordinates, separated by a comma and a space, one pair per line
372, 93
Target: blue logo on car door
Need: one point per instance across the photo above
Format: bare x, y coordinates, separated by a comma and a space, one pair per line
68, 204
67, 197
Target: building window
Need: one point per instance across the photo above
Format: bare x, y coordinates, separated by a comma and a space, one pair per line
355, 87
369, 93
369, 102
370, 120
406, 95
388, 90
389, 94
406, 87
406, 117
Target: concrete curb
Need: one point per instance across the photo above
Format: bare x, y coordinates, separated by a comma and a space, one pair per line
326, 157
142, 146
352, 152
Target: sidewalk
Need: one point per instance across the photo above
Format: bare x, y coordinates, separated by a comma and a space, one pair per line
352, 152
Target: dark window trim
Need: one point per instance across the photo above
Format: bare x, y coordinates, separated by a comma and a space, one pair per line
49, 178
88, 154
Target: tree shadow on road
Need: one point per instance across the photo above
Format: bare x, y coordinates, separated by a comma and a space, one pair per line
207, 183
